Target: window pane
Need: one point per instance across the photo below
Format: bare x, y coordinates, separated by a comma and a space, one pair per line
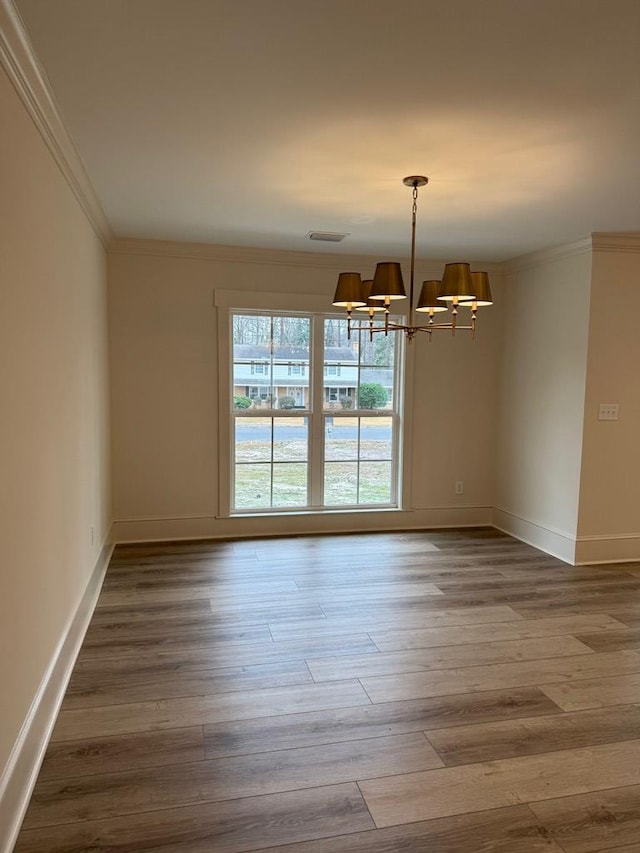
358, 373
340, 483
376, 438
341, 438
253, 439
290, 484
379, 352
340, 369
376, 388
251, 329
290, 439
253, 486
252, 362
291, 340
375, 483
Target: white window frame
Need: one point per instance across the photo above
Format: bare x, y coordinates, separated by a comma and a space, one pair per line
229, 302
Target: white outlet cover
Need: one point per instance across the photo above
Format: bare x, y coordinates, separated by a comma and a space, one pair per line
608, 412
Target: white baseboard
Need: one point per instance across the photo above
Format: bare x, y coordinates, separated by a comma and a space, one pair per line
21, 771
608, 549
299, 523
555, 542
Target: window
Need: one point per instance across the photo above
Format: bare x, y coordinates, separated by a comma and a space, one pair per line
343, 395
329, 441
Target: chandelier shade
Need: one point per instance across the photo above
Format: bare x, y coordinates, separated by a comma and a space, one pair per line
481, 289
459, 287
371, 305
457, 284
428, 301
349, 291
387, 281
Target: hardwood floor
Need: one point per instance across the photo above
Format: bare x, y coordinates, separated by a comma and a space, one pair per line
445, 691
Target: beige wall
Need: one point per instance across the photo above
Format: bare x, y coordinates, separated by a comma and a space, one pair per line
544, 357
54, 427
609, 520
165, 409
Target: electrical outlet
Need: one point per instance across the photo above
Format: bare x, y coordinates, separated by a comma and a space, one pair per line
459, 487
608, 412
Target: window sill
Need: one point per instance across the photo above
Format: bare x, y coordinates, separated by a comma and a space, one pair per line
318, 511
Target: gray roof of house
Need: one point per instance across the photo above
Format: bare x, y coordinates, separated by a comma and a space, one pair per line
290, 353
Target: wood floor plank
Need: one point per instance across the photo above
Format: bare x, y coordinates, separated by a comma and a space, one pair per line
108, 795
625, 638
567, 573
404, 573
590, 822
122, 596
256, 600
628, 848
411, 571
510, 830
251, 590
86, 693
387, 547
595, 692
186, 573
128, 550
354, 622
74, 759
108, 720
105, 646
154, 665
476, 787
365, 591
510, 738
552, 581
596, 597
387, 688
443, 657
238, 737
594, 602
233, 827
135, 631
629, 615
193, 609
492, 632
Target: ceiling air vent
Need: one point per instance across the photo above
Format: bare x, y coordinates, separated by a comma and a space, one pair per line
327, 236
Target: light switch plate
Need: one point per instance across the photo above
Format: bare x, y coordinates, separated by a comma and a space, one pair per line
608, 412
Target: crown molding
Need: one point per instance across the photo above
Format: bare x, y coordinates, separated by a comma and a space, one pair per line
19, 60
598, 241
547, 256
621, 241
278, 257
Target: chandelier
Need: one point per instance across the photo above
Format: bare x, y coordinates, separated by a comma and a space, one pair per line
459, 288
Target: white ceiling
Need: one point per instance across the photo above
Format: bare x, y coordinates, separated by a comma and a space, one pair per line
252, 122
